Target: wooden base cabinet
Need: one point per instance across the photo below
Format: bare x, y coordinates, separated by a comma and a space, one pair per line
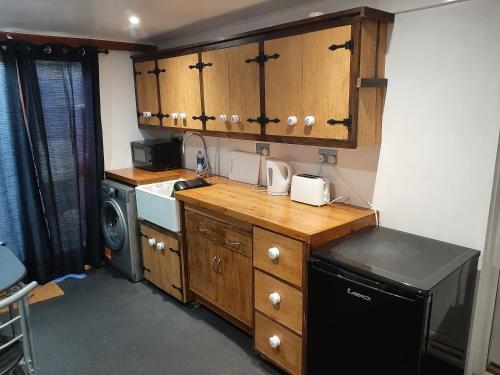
220, 265
163, 260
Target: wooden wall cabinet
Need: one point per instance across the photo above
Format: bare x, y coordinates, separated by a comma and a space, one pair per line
163, 260
231, 88
328, 68
220, 265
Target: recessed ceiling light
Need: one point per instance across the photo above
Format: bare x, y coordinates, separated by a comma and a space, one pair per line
134, 20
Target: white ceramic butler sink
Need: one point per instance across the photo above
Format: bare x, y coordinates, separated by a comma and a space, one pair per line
156, 205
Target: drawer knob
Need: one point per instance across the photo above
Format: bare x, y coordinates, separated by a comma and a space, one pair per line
235, 119
160, 246
174, 115
274, 342
309, 120
223, 118
273, 253
182, 116
274, 299
152, 242
292, 120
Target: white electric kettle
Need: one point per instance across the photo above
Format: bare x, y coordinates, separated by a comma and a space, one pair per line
279, 176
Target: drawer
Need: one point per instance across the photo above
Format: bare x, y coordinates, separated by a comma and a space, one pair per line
288, 262
288, 354
200, 224
221, 232
236, 239
288, 311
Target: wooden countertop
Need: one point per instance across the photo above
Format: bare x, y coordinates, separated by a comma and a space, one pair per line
314, 225
136, 176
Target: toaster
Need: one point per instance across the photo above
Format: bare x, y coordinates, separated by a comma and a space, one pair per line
310, 189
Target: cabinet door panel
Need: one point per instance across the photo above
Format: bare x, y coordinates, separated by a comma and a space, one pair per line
216, 88
284, 85
244, 87
170, 266
203, 280
146, 90
326, 79
180, 90
235, 284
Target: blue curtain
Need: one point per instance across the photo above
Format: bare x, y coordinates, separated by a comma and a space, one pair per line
22, 222
60, 93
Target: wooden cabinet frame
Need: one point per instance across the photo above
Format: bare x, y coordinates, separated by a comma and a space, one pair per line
367, 80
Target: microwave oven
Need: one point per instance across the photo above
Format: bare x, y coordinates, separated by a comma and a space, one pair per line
156, 154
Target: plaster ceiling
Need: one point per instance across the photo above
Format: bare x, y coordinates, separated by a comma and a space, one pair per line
108, 19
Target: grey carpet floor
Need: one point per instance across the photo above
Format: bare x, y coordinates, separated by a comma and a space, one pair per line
105, 324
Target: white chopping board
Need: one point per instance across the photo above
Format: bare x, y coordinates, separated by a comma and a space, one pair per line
244, 167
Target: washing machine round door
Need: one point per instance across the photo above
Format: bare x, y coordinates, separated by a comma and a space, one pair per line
113, 224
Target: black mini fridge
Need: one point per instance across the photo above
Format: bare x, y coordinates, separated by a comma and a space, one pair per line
388, 302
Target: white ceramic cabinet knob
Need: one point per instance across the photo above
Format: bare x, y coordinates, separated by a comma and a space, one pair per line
309, 120
273, 253
146, 114
292, 120
160, 246
274, 342
235, 119
223, 118
183, 116
274, 298
152, 242
175, 115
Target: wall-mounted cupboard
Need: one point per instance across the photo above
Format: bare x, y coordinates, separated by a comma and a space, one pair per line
318, 81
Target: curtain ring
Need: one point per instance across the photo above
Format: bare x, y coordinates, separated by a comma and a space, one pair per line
82, 51
47, 49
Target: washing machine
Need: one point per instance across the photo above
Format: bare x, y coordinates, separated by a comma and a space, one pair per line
120, 229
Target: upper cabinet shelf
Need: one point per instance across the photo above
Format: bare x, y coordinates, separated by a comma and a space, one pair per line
318, 81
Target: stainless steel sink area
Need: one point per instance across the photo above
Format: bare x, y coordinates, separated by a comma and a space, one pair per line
156, 205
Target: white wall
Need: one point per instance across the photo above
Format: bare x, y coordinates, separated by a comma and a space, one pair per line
441, 118
118, 113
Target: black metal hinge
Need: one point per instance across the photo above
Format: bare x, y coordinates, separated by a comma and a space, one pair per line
160, 115
200, 65
347, 45
203, 118
261, 59
178, 252
142, 234
263, 120
136, 73
156, 71
176, 287
347, 122
146, 269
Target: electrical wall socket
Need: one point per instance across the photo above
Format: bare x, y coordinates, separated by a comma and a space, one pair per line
327, 156
263, 149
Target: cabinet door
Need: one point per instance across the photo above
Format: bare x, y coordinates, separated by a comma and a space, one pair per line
216, 89
146, 91
326, 79
244, 87
235, 280
170, 266
149, 261
180, 91
284, 85
203, 279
